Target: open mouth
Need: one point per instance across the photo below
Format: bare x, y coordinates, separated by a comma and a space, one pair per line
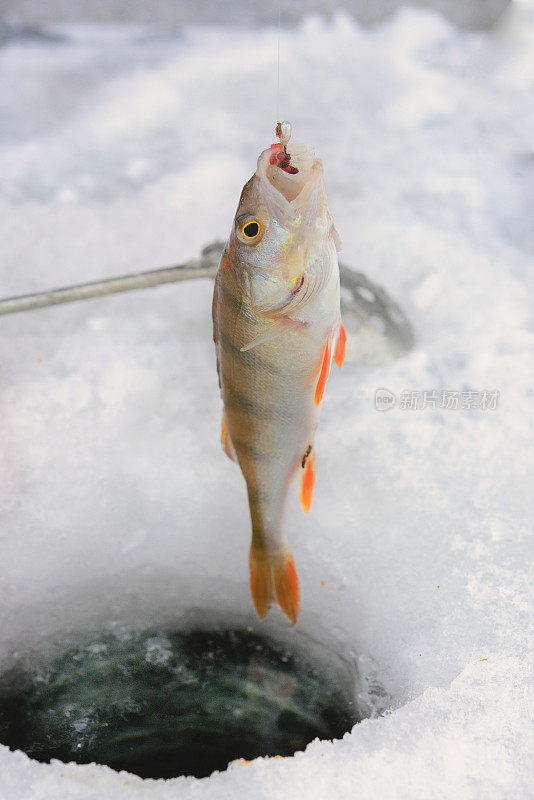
289, 172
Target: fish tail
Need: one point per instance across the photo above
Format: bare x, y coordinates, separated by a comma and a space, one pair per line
286, 585
272, 574
261, 580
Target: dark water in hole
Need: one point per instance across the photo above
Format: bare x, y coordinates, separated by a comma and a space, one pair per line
162, 704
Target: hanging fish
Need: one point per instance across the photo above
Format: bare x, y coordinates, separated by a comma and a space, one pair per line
277, 326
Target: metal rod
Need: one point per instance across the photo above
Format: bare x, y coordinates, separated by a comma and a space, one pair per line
204, 267
363, 300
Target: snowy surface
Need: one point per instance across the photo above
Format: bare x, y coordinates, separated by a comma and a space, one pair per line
121, 152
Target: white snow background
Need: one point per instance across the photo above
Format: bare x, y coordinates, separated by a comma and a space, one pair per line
120, 151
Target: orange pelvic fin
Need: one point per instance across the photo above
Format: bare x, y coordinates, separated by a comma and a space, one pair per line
323, 375
308, 479
339, 353
270, 574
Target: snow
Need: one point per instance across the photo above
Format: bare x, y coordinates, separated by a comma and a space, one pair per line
123, 151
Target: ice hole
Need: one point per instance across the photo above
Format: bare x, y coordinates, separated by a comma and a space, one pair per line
170, 701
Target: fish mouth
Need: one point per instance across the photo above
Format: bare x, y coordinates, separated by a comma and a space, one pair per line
288, 176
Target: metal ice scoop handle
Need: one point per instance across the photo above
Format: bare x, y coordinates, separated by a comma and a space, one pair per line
378, 331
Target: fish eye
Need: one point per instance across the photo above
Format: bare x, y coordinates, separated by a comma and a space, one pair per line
250, 230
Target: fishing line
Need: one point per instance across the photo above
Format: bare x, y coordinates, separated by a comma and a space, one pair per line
278, 71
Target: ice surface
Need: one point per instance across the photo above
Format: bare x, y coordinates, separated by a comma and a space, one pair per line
122, 152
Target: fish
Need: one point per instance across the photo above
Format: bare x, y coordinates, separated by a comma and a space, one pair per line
277, 327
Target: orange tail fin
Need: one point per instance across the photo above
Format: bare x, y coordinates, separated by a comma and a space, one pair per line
286, 585
261, 581
270, 575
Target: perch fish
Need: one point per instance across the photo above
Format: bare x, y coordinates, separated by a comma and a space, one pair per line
277, 326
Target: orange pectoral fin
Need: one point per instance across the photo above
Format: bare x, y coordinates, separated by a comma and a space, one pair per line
308, 479
339, 353
323, 375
